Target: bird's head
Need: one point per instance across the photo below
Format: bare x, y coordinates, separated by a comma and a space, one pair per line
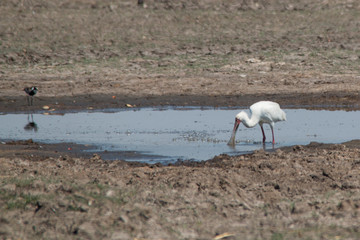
240, 116
236, 126
238, 119
34, 90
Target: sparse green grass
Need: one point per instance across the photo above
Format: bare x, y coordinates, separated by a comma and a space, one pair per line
91, 195
17, 201
315, 215
292, 207
20, 182
277, 236
79, 198
329, 194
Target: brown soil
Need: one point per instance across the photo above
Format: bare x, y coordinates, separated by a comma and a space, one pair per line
92, 54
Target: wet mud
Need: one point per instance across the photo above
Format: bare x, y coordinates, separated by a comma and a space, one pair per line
334, 101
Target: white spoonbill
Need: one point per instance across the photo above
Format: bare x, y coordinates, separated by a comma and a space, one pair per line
261, 112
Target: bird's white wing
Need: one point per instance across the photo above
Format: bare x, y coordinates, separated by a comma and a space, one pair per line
274, 113
268, 111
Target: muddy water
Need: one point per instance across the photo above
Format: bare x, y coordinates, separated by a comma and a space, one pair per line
166, 135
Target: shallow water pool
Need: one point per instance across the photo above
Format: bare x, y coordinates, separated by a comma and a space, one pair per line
166, 135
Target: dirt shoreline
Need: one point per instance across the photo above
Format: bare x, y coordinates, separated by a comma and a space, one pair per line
295, 192
333, 101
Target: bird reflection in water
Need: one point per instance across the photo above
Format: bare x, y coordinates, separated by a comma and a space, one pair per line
31, 125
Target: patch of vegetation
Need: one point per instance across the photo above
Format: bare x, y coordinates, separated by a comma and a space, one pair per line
277, 236
17, 201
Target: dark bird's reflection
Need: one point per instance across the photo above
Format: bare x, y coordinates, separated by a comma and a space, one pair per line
31, 125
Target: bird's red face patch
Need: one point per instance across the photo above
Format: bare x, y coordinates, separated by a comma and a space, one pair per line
237, 123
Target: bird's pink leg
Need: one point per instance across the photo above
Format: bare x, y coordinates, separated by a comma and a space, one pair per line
272, 131
263, 133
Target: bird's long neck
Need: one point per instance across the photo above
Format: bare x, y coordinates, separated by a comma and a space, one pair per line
249, 122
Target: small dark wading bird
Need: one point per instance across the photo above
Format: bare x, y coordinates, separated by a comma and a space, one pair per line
30, 91
261, 112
